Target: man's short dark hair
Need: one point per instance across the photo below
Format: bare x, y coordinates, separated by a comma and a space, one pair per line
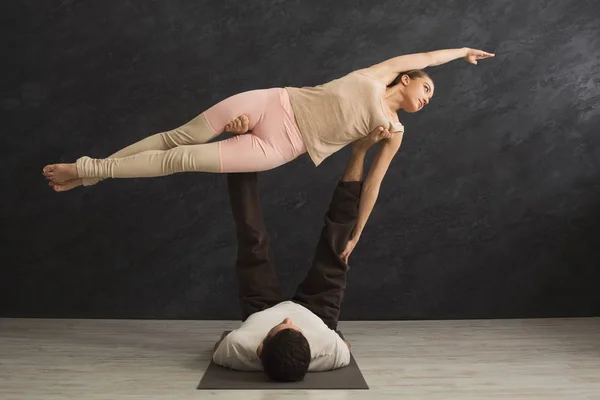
285, 356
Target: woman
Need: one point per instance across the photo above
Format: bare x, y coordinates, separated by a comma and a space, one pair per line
283, 124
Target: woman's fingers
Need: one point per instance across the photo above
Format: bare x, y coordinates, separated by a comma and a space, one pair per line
478, 55
485, 54
344, 255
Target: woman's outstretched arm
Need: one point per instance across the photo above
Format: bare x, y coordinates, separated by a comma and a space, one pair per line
388, 70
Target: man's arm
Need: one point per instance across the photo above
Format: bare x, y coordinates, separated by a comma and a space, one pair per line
354, 168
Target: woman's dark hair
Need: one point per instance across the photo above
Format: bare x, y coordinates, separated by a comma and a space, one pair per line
285, 356
412, 74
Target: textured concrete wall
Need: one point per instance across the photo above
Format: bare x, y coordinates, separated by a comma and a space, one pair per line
490, 209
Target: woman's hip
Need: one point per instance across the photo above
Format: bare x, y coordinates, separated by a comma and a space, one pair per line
274, 136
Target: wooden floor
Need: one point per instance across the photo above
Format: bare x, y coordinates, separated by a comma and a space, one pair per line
128, 359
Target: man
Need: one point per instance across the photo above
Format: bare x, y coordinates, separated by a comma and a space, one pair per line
287, 338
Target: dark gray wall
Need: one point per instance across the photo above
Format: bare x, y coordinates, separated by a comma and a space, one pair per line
491, 209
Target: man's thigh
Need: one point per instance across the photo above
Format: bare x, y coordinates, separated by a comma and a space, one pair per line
258, 285
322, 291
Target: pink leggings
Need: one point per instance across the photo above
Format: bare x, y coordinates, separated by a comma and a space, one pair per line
275, 138
273, 141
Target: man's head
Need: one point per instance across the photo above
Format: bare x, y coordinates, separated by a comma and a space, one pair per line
285, 352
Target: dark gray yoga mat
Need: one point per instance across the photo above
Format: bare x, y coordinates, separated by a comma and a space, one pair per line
217, 377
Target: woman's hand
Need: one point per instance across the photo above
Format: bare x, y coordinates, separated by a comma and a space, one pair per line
473, 55
349, 248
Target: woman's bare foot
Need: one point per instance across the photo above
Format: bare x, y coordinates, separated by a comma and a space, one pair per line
239, 125
68, 185
60, 173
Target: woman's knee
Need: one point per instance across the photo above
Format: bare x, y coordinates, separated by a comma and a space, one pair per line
195, 158
196, 131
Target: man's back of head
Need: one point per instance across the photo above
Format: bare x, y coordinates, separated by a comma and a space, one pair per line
285, 356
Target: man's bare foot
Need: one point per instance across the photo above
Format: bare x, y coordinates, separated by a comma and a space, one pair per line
68, 185
375, 136
60, 173
239, 125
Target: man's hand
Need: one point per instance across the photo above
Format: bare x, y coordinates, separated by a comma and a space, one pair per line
375, 136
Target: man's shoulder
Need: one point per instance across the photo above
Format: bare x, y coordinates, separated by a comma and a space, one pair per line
332, 354
236, 351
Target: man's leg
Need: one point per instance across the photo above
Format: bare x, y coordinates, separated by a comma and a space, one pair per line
323, 288
258, 285
322, 291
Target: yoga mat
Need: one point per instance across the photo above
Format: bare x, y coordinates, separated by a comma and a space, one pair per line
217, 377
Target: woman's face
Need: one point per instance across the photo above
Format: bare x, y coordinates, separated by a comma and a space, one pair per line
417, 93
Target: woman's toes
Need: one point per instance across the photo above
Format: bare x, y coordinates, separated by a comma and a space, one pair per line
238, 125
63, 173
60, 188
63, 187
245, 122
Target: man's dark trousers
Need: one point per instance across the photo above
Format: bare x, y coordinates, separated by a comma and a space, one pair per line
323, 288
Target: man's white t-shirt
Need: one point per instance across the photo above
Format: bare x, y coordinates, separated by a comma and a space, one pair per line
238, 349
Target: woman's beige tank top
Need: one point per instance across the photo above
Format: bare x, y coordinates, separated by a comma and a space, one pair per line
334, 114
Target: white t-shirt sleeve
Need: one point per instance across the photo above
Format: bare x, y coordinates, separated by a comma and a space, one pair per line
233, 353
335, 355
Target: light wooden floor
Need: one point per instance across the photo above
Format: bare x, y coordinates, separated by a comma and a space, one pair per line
128, 359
